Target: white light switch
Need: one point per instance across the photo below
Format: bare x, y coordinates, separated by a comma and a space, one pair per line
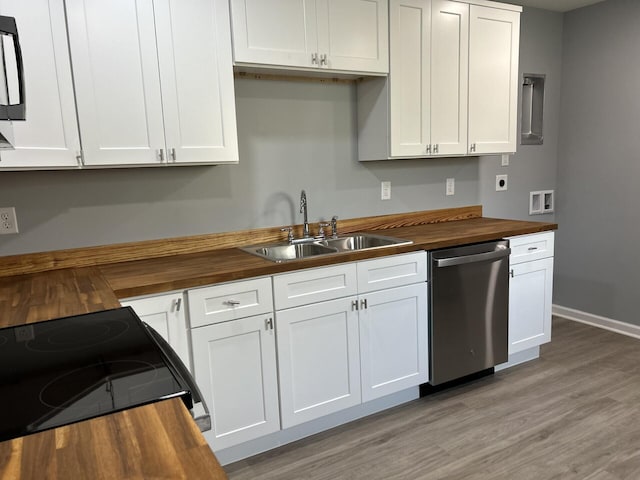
451, 186
385, 188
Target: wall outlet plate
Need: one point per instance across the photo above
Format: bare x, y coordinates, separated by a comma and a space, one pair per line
541, 202
451, 186
385, 190
8, 221
501, 182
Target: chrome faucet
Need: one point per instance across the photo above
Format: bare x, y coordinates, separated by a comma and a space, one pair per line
334, 226
303, 210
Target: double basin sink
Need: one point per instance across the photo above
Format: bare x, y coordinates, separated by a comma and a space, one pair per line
282, 252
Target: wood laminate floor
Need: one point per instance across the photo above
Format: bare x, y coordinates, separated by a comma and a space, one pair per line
572, 414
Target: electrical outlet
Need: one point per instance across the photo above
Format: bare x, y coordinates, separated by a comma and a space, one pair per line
501, 182
8, 221
451, 186
385, 190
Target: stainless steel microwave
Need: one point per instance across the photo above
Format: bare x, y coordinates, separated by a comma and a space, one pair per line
12, 95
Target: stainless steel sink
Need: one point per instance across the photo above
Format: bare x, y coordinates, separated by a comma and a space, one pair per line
363, 241
282, 252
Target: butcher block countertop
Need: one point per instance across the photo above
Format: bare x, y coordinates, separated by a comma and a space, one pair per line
160, 440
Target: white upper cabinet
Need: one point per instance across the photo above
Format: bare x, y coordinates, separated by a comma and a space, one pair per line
154, 81
494, 39
336, 35
452, 86
428, 77
449, 77
49, 137
422, 108
353, 35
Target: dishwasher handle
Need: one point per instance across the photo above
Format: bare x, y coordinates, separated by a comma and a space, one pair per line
477, 257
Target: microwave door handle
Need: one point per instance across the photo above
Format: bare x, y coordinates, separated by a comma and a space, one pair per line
14, 111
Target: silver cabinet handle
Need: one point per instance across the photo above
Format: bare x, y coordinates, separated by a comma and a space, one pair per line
268, 324
323, 59
354, 305
231, 303
178, 304
435, 148
172, 154
160, 154
511, 273
314, 58
472, 147
531, 249
363, 303
428, 148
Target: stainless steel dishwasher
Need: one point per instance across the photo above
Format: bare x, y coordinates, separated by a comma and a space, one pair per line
469, 309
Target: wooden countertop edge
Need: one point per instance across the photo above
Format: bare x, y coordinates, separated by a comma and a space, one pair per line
126, 283
122, 252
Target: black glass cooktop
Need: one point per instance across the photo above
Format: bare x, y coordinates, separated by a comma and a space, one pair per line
62, 371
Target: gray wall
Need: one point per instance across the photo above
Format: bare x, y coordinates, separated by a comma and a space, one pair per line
533, 167
292, 136
599, 164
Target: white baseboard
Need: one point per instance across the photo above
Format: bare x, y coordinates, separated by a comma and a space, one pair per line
597, 321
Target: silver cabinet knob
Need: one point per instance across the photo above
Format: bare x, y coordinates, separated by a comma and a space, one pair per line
314, 58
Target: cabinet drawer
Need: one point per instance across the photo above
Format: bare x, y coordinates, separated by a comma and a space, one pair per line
394, 271
314, 285
526, 248
229, 301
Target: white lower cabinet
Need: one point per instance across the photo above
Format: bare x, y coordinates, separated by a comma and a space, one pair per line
234, 359
166, 315
530, 291
235, 368
340, 336
393, 340
337, 353
318, 360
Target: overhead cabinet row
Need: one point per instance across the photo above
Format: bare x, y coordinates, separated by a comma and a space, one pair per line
151, 82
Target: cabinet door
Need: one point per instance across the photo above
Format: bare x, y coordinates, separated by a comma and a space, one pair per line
530, 291
409, 77
449, 79
49, 136
115, 66
274, 32
318, 360
235, 367
165, 314
198, 99
494, 37
353, 34
393, 340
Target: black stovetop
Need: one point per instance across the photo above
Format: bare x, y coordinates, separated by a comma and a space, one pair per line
62, 371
